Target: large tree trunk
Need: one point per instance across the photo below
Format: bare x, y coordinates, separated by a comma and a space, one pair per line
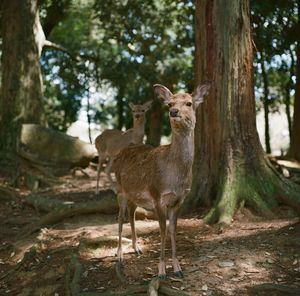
294, 150
230, 167
21, 92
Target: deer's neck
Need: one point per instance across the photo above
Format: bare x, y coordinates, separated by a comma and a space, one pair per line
138, 130
182, 148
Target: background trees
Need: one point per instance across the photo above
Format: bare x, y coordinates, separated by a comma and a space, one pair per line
95, 56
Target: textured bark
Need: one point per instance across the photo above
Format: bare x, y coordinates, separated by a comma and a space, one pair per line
230, 167
294, 150
21, 93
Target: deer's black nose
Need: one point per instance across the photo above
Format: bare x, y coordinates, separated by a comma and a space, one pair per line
173, 112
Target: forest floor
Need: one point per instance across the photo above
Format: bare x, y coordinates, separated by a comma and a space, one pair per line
78, 253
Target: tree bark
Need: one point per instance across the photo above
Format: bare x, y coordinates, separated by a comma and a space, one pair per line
21, 92
230, 167
294, 150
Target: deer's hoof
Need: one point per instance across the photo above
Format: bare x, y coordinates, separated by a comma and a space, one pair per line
162, 277
179, 274
120, 262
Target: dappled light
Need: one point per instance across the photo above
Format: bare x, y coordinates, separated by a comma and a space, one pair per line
149, 148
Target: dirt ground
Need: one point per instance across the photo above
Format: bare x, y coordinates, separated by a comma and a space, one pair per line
81, 250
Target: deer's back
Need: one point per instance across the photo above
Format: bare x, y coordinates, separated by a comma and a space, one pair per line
142, 167
111, 142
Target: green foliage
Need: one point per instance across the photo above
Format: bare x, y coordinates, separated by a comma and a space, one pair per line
274, 33
127, 45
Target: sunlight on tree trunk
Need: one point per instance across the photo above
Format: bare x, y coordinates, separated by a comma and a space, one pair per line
21, 93
230, 169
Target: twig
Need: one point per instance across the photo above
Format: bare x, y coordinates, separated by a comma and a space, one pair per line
72, 287
153, 287
119, 272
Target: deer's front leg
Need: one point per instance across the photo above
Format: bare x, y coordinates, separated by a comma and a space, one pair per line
161, 213
173, 215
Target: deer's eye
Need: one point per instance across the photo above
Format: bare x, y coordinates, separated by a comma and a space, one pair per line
189, 104
170, 105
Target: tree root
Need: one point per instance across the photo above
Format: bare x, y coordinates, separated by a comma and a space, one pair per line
155, 288
274, 289
62, 210
72, 287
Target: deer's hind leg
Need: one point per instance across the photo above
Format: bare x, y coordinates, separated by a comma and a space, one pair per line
131, 207
122, 211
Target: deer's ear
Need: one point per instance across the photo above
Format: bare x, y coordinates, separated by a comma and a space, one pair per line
131, 105
163, 93
147, 105
200, 92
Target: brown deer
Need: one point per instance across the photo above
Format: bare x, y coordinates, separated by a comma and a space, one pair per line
111, 142
159, 178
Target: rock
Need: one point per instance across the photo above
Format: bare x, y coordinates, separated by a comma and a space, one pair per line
226, 264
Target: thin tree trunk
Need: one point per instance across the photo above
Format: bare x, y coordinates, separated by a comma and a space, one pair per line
21, 92
88, 109
288, 93
266, 105
155, 124
294, 150
120, 107
288, 108
230, 167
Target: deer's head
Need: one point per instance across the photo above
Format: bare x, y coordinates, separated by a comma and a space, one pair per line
182, 106
139, 111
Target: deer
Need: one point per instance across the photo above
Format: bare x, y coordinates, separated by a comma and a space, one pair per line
112, 141
159, 178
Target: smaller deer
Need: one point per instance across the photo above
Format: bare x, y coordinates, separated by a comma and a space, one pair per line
111, 142
159, 178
